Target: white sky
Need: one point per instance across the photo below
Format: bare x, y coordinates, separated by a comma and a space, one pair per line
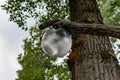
10, 46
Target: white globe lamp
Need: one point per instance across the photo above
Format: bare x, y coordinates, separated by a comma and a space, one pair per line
56, 42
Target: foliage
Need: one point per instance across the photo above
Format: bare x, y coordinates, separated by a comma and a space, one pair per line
111, 14
111, 11
21, 10
36, 65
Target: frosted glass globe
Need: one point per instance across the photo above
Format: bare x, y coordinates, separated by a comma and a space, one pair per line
56, 42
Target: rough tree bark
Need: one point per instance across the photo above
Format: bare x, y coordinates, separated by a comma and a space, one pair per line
92, 56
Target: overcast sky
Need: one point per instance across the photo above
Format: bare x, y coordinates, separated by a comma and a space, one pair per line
10, 46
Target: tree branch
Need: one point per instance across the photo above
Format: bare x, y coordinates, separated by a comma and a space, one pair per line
93, 29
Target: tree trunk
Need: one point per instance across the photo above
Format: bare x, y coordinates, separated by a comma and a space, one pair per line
92, 57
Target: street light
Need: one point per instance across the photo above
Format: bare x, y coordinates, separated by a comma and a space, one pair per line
56, 42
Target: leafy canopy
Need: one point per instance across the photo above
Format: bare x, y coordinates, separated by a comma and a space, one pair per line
36, 65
